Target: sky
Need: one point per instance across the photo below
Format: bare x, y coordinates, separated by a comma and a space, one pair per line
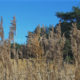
30, 13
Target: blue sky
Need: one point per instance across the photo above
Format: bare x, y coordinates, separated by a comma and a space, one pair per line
30, 13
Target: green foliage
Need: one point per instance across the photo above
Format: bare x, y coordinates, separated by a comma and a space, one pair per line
17, 46
65, 29
67, 52
69, 17
73, 15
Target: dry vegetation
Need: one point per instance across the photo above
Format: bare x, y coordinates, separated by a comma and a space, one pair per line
42, 57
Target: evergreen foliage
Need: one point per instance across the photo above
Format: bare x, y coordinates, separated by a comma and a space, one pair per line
67, 19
